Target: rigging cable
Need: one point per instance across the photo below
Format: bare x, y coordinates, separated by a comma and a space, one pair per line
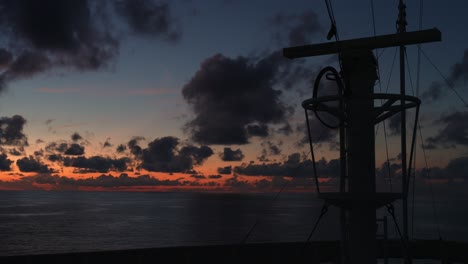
291, 178
404, 242
333, 30
449, 84
413, 150
413, 140
418, 74
380, 90
378, 125
434, 209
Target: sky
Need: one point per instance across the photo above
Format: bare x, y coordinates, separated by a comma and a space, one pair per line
196, 95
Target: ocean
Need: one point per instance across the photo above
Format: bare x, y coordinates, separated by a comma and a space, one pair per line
38, 222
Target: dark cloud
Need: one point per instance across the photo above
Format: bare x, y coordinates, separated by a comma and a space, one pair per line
458, 168
231, 155
74, 34
257, 130
55, 33
227, 95
273, 149
165, 155
319, 133
394, 125
293, 166
106, 181
215, 176
96, 164
454, 131
5, 163
198, 154
286, 129
30, 164
198, 177
133, 146
107, 144
389, 170
16, 152
39, 153
237, 183
121, 148
11, 131
455, 169
458, 72
60, 147
433, 93
55, 157
76, 137
225, 170
269, 149
149, 18
74, 150
5, 58
296, 29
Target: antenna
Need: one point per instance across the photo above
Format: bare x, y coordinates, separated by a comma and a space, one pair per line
358, 115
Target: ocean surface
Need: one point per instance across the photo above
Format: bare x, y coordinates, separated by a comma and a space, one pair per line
37, 222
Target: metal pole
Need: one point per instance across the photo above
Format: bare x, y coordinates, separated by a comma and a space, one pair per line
401, 29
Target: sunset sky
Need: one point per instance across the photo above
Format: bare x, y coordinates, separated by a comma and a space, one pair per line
165, 95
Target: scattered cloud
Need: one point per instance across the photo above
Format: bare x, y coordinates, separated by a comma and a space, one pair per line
76, 137
293, 166
5, 162
165, 155
296, 29
121, 148
106, 181
458, 72
107, 143
16, 152
231, 155
149, 18
454, 131
225, 170
133, 146
95, 164
31, 164
74, 150
11, 131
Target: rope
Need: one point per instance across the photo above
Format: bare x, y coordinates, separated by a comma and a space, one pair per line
323, 211
341, 89
404, 242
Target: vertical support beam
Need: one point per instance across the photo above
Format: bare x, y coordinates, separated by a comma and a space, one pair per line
404, 177
343, 171
359, 68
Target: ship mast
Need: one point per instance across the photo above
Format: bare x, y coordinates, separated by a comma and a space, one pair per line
357, 117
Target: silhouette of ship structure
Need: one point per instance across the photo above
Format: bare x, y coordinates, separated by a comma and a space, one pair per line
357, 113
